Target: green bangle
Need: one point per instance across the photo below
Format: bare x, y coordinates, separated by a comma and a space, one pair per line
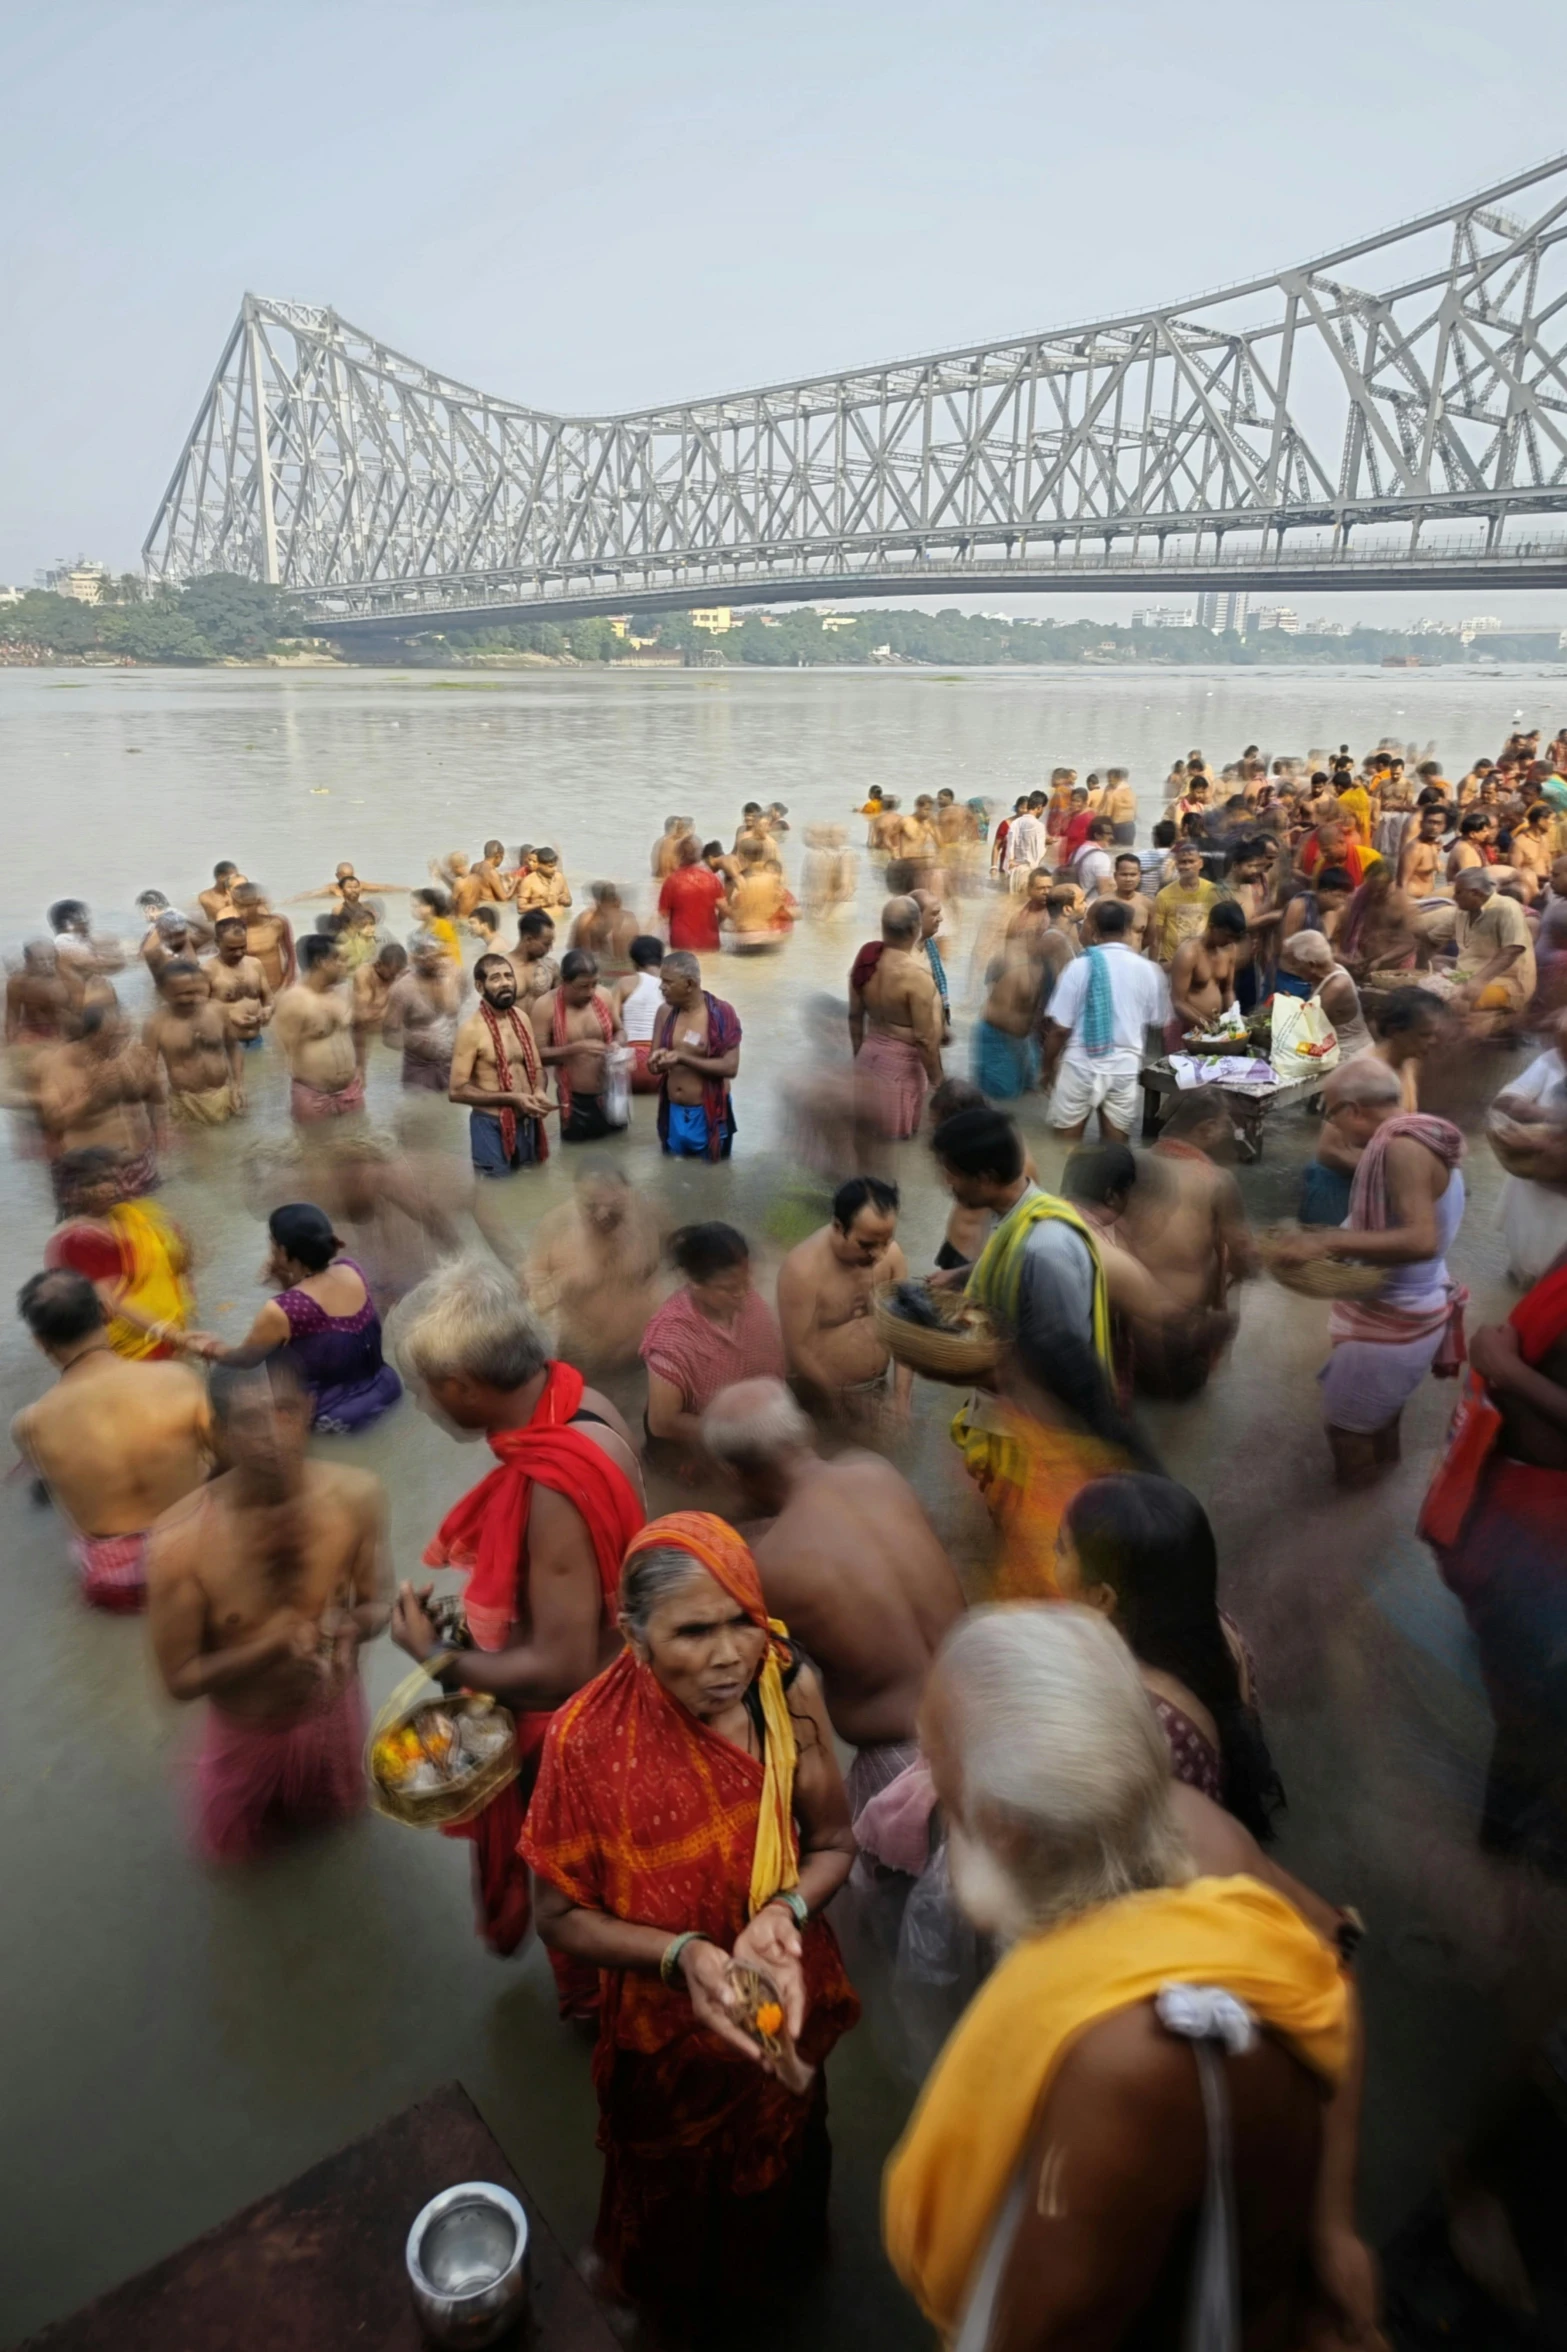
669, 1959
798, 1906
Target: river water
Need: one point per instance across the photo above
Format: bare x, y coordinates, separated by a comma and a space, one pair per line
179, 2044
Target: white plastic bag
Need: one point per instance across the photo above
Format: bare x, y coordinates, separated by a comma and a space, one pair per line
617, 1085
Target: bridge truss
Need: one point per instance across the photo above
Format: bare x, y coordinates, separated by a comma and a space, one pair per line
1392, 414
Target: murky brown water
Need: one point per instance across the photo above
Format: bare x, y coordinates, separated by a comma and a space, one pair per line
178, 2044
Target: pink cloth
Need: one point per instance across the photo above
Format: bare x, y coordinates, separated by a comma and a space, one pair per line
256, 1782
892, 1067
114, 1571
308, 1103
699, 1357
894, 1827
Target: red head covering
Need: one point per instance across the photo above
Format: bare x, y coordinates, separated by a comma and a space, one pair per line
714, 1543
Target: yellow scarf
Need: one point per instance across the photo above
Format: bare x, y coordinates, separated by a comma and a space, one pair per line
156, 1285
996, 1284
946, 2179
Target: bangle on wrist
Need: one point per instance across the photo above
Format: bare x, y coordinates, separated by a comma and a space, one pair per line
799, 1908
670, 1957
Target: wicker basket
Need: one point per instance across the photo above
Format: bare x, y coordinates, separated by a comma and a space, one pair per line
967, 1345
456, 1800
1322, 1278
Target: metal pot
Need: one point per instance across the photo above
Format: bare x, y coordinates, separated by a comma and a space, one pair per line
466, 2253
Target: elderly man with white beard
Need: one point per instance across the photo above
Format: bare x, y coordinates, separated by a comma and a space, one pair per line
1057, 2184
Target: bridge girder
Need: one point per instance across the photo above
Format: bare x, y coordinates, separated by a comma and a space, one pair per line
1242, 438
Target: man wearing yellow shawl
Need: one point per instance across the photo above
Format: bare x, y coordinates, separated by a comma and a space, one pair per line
1050, 2186
689, 1807
1055, 1422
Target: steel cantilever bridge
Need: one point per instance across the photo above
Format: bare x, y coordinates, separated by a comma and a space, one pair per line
1391, 415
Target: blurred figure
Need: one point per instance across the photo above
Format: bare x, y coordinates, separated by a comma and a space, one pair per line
931, 915
239, 984
546, 886
832, 1120
828, 875
695, 1056
37, 1000
217, 902
1185, 1221
594, 1266
174, 938
575, 1028
666, 850
761, 911
1406, 1026
895, 1018
532, 960
315, 1029
835, 1354
323, 1319
606, 930
101, 1088
136, 1258
639, 1001
1406, 1203
269, 937
370, 986
115, 1443
433, 919
400, 1209
421, 1014
1527, 1129
1140, 1551
715, 1330
1064, 1841
261, 1588
190, 1036
542, 1538
79, 955
496, 1071
850, 1562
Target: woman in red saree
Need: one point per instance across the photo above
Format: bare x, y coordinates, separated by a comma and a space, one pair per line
689, 1807
1496, 1518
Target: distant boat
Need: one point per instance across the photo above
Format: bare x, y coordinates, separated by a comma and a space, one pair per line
1401, 661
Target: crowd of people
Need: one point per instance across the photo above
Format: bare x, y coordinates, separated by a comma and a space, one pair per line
764, 1723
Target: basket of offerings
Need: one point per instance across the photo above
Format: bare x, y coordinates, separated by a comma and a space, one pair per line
435, 1758
1320, 1278
937, 1332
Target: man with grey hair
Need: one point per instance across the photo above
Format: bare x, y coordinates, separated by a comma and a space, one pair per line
1058, 2173
542, 1538
895, 1020
695, 1054
1309, 955
1495, 967
1406, 1200
849, 1561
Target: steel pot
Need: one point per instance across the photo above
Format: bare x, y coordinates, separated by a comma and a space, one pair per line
466, 2256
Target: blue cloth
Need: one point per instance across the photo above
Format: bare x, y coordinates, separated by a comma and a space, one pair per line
1324, 1194
688, 1133
252, 1044
1098, 1024
488, 1152
1004, 1066
1287, 984
938, 972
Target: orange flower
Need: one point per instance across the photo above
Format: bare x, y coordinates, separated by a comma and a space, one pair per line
769, 2018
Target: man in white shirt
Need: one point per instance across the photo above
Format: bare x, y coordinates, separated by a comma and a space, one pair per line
1529, 1120
1099, 1010
1026, 843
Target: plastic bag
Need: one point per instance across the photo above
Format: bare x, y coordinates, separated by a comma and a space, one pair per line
617, 1085
1305, 1042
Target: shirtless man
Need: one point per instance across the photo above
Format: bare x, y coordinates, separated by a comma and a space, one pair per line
369, 986
575, 1026
102, 1087
315, 1028
694, 1066
173, 938
474, 1354
190, 1036
261, 1587
218, 902
851, 1563
606, 930
1422, 867
268, 937
36, 998
494, 885
420, 1019
824, 1305
1185, 1220
1119, 804
1129, 890
458, 879
497, 1074
1202, 973
115, 1443
895, 1021
594, 1267
532, 960
546, 886
666, 849
344, 887
238, 984
1005, 1040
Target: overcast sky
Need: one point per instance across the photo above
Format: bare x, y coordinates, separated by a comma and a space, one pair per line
596, 207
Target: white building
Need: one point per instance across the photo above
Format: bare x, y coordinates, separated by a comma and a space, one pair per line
1164, 616
83, 581
1483, 625
1221, 610
1278, 616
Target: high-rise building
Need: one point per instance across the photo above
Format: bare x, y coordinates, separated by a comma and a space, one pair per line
1222, 609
